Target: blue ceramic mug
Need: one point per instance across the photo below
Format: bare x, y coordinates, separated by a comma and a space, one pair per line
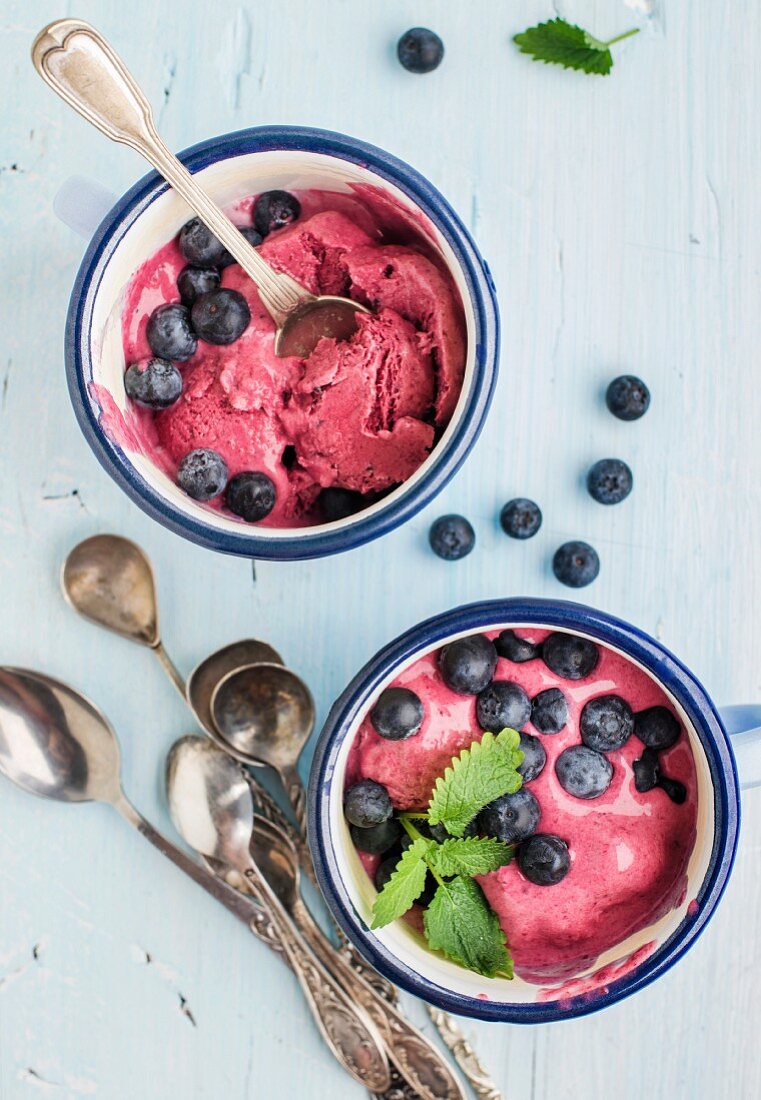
723, 744
150, 214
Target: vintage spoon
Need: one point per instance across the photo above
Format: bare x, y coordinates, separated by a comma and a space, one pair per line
266, 713
78, 64
206, 675
212, 807
109, 580
417, 1060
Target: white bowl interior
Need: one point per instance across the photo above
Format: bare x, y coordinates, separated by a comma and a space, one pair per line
229, 181
409, 947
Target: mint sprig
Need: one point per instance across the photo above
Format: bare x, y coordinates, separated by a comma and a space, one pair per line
460, 923
471, 855
405, 885
558, 42
481, 773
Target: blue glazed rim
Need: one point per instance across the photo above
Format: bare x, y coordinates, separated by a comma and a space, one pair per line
447, 458
562, 615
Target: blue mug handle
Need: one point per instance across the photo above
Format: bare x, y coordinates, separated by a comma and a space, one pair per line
743, 724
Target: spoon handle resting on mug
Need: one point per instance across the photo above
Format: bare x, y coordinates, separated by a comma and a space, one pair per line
78, 64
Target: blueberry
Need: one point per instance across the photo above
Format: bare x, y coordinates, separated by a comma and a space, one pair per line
511, 818
520, 518
576, 564
583, 772
570, 656
202, 474
647, 771
397, 715
610, 481
544, 859
386, 867
376, 840
251, 495
220, 316
607, 723
170, 333
467, 666
366, 804
549, 711
275, 209
676, 791
335, 503
193, 281
503, 704
513, 648
627, 397
657, 728
252, 236
420, 50
451, 537
198, 244
153, 383
534, 757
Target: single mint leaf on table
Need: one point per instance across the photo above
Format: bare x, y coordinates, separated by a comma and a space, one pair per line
481, 773
405, 885
460, 923
470, 855
558, 42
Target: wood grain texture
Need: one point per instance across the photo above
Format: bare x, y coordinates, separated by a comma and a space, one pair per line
619, 217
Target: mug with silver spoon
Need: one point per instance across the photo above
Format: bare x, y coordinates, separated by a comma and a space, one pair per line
79, 64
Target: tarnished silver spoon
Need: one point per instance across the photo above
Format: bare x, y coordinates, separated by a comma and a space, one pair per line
211, 805
265, 714
77, 63
206, 675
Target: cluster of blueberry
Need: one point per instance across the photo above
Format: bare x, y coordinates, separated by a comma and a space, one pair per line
607, 722
609, 481
216, 315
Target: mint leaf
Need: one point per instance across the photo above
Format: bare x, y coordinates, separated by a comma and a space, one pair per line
481, 773
405, 885
557, 42
459, 923
471, 855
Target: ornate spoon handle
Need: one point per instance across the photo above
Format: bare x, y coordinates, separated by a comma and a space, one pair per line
465, 1056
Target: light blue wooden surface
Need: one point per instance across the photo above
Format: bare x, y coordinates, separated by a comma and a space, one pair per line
620, 219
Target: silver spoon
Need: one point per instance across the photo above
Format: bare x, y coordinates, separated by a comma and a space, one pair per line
265, 713
211, 805
78, 64
206, 675
109, 580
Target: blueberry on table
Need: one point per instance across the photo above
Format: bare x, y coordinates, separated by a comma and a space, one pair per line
376, 840
153, 383
198, 244
544, 859
610, 481
511, 818
534, 757
420, 50
253, 237
274, 210
569, 656
220, 316
549, 711
520, 518
193, 281
647, 771
397, 715
503, 704
251, 495
367, 804
335, 503
515, 649
576, 564
467, 665
202, 474
607, 723
627, 397
657, 728
451, 537
583, 772
170, 334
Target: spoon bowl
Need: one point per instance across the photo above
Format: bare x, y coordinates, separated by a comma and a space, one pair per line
109, 580
206, 675
265, 712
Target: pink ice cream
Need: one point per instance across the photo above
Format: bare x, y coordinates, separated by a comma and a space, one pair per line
629, 851
362, 414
